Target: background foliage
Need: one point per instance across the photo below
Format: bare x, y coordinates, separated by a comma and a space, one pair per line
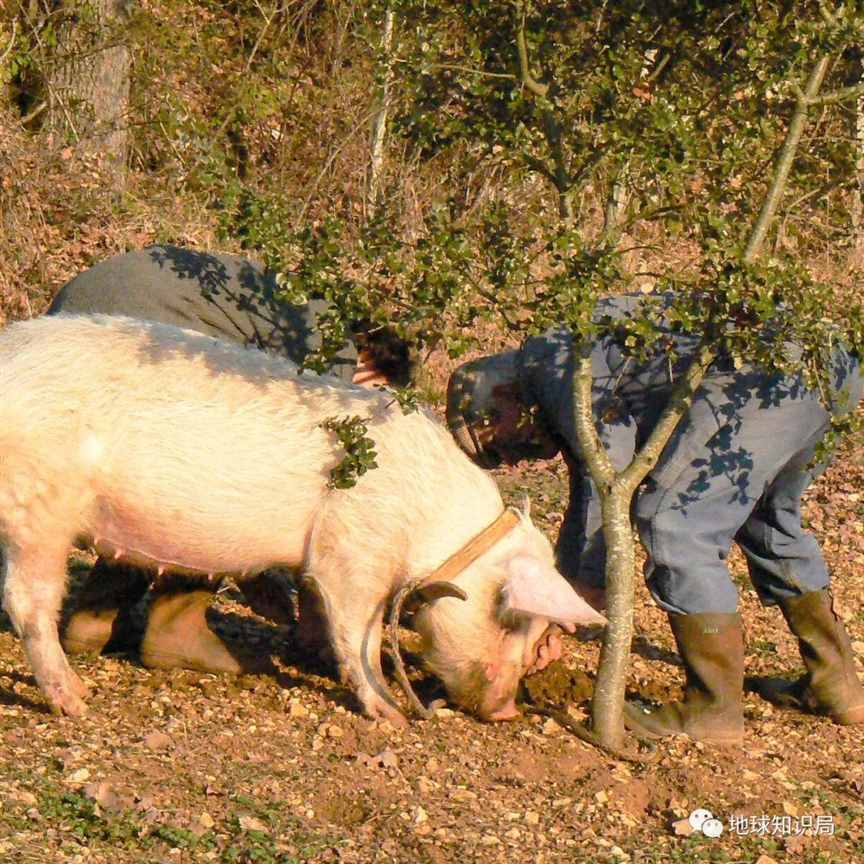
250, 121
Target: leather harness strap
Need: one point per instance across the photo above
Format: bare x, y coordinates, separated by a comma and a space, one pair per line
475, 547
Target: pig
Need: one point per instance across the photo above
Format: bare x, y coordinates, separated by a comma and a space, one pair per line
172, 450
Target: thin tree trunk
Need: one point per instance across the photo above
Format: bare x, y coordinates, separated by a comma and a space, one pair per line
858, 194
607, 705
616, 492
88, 84
379, 122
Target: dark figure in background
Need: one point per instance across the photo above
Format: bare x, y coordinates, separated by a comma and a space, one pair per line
734, 470
228, 297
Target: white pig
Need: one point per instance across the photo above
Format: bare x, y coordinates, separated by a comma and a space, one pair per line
172, 450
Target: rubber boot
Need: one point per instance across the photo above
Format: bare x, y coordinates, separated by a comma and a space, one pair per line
712, 648
101, 619
312, 635
271, 595
831, 685
178, 636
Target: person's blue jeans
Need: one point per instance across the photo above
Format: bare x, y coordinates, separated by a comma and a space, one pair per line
745, 485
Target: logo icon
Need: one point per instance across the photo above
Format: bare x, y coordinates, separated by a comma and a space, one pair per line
702, 820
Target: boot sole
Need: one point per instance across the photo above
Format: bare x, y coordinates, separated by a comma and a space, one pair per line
633, 722
75, 646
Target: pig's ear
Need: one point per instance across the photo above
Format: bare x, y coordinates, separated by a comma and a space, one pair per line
531, 588
526, 507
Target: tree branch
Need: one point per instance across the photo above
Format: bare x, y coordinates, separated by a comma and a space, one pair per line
784, 162
593, 453
841, 95
551, 127
525, 75
11, 44
470, 69
678, 405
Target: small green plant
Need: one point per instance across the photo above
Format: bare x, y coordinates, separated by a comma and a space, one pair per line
180, 838
359, 451
763, 648
249, 845
80, 814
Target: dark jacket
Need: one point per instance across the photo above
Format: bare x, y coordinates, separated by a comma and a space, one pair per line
217, 294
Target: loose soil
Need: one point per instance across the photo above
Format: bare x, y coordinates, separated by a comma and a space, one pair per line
183, 767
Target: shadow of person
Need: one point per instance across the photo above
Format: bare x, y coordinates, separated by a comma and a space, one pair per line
782, 691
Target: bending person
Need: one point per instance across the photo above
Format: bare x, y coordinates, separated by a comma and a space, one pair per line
734, 470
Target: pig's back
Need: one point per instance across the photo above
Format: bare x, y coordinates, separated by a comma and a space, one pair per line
171, 434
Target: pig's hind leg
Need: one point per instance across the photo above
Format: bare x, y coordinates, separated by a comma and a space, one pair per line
34, 582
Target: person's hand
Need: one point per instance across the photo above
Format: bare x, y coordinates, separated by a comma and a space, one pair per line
547, 649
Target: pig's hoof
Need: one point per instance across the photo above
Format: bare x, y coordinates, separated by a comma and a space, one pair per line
66, 702
382, 711
79, 688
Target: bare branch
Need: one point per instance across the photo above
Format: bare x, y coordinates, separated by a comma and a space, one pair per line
658, 69
11, 44
784, 162
615, 206
525, 75
260, 39
841, 95
32, 115
471, 70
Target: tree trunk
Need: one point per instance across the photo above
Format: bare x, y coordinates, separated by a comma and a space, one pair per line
88, 83
858, 193
616, 491
607, 706
379, 122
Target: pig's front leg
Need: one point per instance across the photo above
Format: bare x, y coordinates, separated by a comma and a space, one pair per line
33, 587
355, 624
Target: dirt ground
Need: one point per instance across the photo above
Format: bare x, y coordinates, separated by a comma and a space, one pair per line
183, 767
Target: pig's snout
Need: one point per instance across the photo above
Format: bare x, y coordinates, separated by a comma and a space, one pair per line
498, 701
507, 711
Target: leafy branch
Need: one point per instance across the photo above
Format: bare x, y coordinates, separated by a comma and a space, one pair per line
359, 451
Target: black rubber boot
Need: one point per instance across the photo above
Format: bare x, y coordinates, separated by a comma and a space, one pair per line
712, 648
101, 619
831, 685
